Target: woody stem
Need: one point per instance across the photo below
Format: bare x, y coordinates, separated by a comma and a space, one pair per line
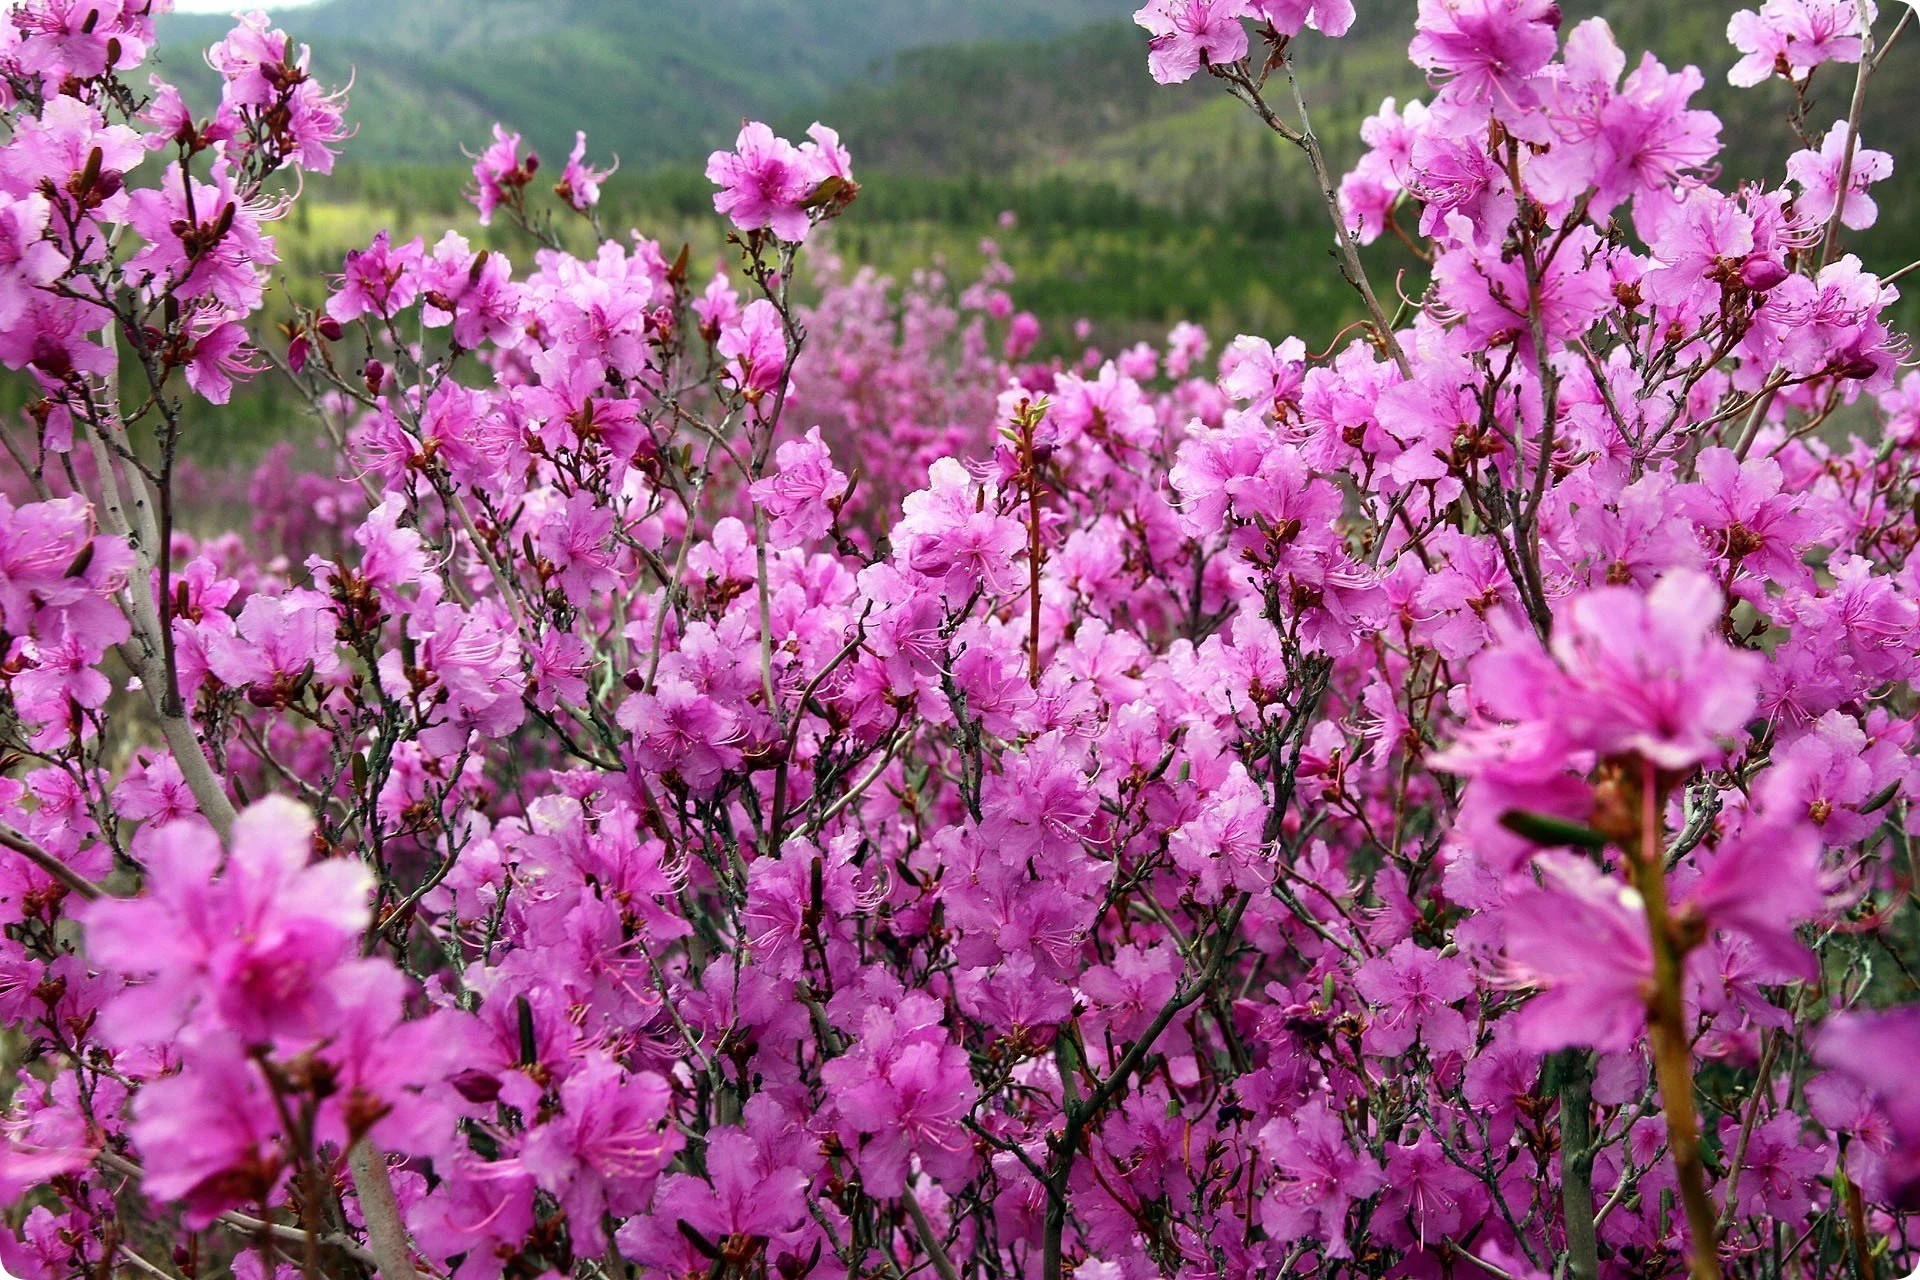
1033, 550
1666, 1024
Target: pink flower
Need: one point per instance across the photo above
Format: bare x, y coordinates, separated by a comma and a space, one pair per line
1254, 371
1765, 879
55, 572
755, 350
718, 308
472, 292
228, 255
579, 183
220, 356
1817, 173
1744, 517
499, 175
209, 1137
1289, 17
1226, 843
607, 1147
764, 182
1128, 993
378, 280
747, 1195
1799, 34
279, 639
57, 337
1413, 991
1485, 52
1492, 298
1639, 138
58, 679
1317, 1175
1649, 673
1645, 673
824, 157
952, 531
57, 147
1431, 1195
1190, 34
154, 793
79, 38
269, 103
574, 538
1778, 1169
1580, 939
28, 260
27, 1166
254, 948
798, 497
1876, 1052
392, 556
561, 665
473, 657
677, 729
1830, 324
901, 1091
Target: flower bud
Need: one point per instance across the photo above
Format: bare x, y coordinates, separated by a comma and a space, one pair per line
1761, 274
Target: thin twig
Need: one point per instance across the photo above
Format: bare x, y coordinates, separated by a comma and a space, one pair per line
59, 870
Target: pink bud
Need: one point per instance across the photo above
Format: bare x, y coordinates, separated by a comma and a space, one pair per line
1761, 274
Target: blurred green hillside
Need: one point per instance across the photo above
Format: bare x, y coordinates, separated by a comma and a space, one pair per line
1116, 179
1136, 205
650, 80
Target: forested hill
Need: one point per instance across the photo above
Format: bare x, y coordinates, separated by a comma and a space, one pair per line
1006, 88
650, 80
1139, 203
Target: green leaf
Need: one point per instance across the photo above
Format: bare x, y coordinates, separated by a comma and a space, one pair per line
1544, 829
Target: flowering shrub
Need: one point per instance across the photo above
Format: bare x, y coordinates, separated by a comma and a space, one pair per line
708, 785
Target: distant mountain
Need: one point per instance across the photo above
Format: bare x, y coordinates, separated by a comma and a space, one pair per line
999, 88
650, 80
1079, 108
1135, 200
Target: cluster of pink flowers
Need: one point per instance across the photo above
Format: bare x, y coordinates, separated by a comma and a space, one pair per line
729, 776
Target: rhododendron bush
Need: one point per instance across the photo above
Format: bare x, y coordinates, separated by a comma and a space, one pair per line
717, 775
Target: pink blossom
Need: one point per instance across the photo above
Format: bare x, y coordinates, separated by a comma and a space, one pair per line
1289, 17
952, 531
229, 253
378, 280
281, 640
680, 730
1485, 52
499, 174
1316, 1177
764, 182
903, 1089
1191, 34
1874, 1050
1650, 674
607, 1147
255, 947
756, 350
1817, 173
1799, 34
580, 183
1641, 137
799, 497
1414, 991
1580, 940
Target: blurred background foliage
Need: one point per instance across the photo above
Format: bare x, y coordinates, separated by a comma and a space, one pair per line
1135, 205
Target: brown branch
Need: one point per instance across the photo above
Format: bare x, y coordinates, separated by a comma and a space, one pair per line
11, 839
